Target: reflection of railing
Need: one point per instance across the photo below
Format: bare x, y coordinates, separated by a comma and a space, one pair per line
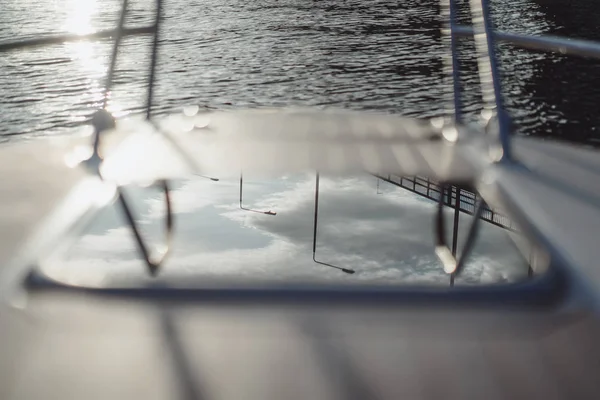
427, 188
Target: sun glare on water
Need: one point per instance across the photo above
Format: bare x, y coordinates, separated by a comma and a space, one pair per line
80, 13
91, 56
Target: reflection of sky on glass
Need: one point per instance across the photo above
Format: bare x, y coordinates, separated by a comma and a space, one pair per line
386, 238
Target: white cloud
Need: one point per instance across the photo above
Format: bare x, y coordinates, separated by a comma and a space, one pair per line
386, 238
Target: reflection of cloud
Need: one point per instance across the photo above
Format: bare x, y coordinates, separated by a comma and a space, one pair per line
192, 196
386, 238
115, 240
362, 230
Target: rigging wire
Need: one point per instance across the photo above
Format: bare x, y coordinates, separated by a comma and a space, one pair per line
154, 58
454, 107
489, 77
115, 52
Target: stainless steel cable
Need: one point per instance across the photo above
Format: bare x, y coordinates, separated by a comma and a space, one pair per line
451, 62
115, 51
494, 111
154, 58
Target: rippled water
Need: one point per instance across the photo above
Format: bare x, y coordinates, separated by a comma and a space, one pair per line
382, 54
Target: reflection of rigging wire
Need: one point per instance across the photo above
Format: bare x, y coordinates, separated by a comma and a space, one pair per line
153, 261
250, 209
208, 177
316, 220
452, 265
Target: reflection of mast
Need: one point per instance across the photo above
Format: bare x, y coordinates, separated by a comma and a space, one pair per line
346, 270
249, 209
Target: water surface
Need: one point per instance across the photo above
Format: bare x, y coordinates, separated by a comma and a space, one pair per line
382, 55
